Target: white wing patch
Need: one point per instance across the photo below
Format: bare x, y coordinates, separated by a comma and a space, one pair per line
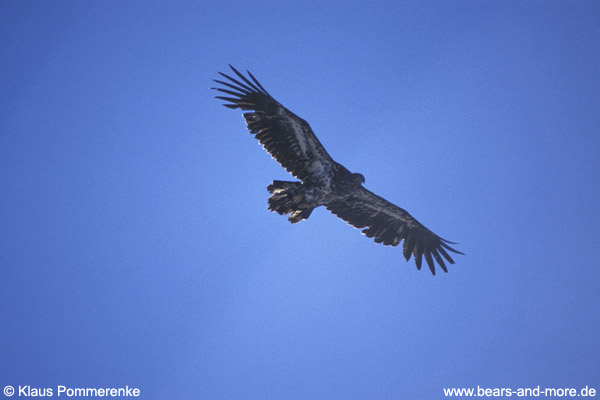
316, 167
297, 127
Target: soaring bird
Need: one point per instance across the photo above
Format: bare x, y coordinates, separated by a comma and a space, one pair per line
322, 181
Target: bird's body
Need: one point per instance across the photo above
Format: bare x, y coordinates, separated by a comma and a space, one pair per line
324, 182
333, 183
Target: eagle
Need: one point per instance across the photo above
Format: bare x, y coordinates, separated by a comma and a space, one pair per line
322, 181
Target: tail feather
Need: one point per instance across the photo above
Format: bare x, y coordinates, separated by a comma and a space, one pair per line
287, 199
279, 186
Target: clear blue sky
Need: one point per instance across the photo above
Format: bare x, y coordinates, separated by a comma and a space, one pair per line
135, 244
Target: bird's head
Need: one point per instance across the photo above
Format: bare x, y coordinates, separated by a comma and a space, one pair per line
359, 179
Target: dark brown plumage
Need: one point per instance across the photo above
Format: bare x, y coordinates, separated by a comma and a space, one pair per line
324, 182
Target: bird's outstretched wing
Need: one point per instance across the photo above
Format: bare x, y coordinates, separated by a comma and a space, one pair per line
287, 137
389, 224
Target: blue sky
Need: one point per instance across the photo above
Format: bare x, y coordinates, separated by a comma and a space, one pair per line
136, 248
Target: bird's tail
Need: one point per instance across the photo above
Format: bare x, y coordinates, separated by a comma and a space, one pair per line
288, 198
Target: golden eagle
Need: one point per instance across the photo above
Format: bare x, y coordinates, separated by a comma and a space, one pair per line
324, 182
